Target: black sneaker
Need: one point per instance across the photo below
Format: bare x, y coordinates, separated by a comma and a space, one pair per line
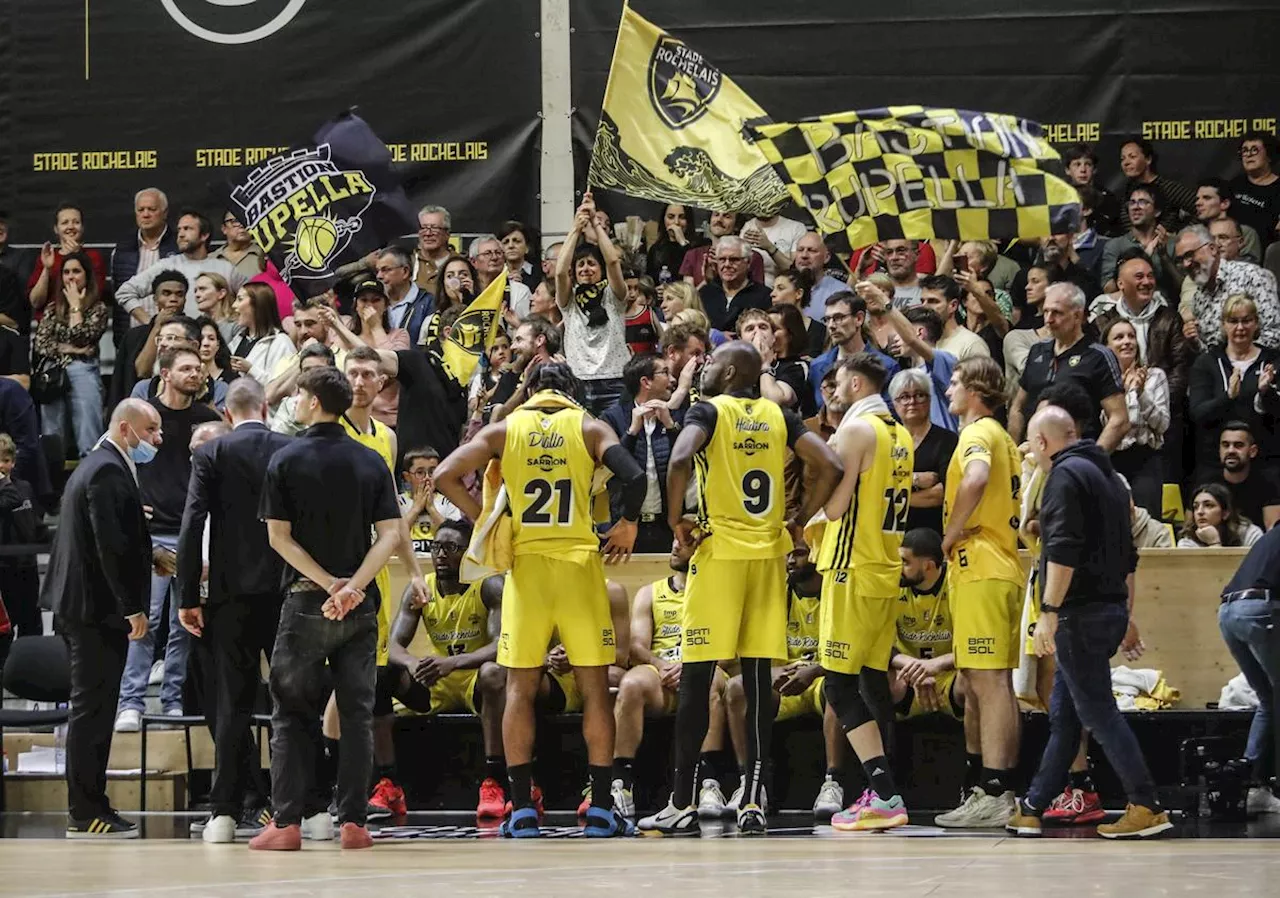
252, 821
107, 826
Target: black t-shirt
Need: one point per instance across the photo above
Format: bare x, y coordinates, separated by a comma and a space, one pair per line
433, 408
15, 352
1091, 365
794, 372
1257, 491
332, 490
163, 480
933, 455
1255, 206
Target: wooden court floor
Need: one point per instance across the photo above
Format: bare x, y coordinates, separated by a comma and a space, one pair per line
864, 865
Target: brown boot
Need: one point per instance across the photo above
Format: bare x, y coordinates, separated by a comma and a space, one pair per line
1137, 823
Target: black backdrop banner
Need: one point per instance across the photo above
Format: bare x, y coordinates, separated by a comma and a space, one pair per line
1190, 75
101, 99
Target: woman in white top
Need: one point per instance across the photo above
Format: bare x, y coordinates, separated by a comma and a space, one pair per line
213, 298
1214, 522
262, 344
1146, 393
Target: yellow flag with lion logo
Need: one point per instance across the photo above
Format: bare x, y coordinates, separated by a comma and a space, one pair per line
473, 333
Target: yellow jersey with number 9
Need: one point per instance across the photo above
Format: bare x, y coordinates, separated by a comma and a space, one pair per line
741, 504
456, 624
668, 620
866, 539
992, 552
547, 471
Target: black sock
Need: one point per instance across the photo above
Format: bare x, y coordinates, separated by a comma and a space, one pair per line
625, 769
756, 680
880, 777
996, 782
972, 770
706, 767
521, 776
1080, 779
495, 767
1027, 810
601, 787
693, 714
329, 764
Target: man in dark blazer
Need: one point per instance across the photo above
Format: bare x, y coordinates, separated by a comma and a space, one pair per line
245, 593
98, 586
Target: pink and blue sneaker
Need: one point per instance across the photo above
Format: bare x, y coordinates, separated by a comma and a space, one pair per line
870, 812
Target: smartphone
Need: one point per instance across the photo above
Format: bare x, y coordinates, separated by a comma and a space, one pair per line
960, 263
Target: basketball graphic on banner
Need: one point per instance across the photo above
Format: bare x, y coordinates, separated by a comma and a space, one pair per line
314, 241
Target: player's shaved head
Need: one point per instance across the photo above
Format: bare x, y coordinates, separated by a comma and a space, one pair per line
734, 367
1051, 430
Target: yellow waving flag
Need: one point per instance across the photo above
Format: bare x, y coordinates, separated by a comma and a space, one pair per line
671, 128
473, 333
920, 172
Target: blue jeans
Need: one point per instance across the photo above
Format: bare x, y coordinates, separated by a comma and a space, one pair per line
1087, 637
1250, 633
82, 402
598, 395
137, 667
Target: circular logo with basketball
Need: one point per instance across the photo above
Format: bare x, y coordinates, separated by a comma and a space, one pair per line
232, 21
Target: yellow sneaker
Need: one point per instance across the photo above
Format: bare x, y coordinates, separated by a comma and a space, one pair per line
1137, 823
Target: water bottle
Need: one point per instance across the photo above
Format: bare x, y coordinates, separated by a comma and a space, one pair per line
664, 276
60, 746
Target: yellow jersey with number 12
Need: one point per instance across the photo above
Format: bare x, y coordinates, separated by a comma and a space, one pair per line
992, 552
547, 471
668, 620
741, 504
865, 540
456, 624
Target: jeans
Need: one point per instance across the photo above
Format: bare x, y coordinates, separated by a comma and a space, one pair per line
97, 657
305, 640
1250, 633
1087, 637
598, 395
137, 669
83, 401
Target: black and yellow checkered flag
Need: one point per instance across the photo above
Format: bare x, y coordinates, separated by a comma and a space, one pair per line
919, 173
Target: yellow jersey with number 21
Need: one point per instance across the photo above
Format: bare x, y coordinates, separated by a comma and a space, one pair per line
992, 552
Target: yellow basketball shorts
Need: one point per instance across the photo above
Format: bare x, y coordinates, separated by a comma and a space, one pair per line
568, 684
1034, 596
452, 693
986, 617
810, 701
544, 594
854, 631
945, 686
387, 608
734, 608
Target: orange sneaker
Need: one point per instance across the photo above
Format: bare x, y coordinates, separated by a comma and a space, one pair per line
278, 838
387, 800
492, 800
536, 794
356, 836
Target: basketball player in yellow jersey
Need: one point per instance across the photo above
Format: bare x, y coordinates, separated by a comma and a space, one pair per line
458, 672
861, 570
651, 685
736, 602
923, 668
363, 370
981, 511
549, 448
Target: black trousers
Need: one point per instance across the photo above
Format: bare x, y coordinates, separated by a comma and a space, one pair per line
20, 587
654, 537
237, 633
299, 689
1143, 467
97, 663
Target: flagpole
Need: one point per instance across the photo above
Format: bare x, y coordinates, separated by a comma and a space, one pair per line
591, 168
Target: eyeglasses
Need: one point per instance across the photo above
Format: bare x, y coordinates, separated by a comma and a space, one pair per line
1253, 150
836, 318
232, 222
909, 398
1233, 322
732, 260
432, 229
1190, 254
489, 254
439, 548
1139, 201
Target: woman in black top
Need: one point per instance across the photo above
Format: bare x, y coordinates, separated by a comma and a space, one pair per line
668, 250
794, 288
791, 366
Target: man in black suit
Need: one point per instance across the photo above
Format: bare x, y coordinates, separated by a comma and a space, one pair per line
98, 584
245, 593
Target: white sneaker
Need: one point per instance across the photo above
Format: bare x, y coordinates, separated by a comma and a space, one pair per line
220, 830
1262, 801
736, 801
830, 800
623, 801
710, 801
156, 677
318, 827
671, 821
980, 811
129, 721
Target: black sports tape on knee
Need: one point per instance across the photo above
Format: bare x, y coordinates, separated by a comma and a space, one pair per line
877, 695
845, 695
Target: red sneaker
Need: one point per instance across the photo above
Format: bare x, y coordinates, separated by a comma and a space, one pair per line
1091, 811
585, 804
492, 800
387, 800
1062, 809
356, 836
536, 794
278, 838
1075, 806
